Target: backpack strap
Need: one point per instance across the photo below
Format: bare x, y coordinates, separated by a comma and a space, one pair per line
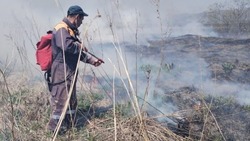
47, 74
64, 25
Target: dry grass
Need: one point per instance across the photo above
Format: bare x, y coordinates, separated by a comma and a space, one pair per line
31, 113
129, 129
25, 108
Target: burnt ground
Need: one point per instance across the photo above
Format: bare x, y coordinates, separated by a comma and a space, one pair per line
217, 52
200, 115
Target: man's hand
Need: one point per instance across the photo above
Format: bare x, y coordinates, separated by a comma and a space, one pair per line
98, 62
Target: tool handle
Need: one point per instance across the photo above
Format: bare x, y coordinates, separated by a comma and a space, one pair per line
96, 57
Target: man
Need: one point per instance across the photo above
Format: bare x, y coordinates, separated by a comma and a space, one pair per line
66, 49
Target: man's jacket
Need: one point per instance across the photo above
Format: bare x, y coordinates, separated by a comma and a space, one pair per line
66, 39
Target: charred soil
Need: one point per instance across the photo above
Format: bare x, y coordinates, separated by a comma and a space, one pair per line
201, 115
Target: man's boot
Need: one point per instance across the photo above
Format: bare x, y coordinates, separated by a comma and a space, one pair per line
70, 120
53, 124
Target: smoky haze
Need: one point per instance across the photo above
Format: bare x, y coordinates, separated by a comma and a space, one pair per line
126, 17
121, 22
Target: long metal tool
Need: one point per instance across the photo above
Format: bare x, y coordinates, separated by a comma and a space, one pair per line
95, 57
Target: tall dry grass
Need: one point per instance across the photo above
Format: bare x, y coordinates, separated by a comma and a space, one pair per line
25, 106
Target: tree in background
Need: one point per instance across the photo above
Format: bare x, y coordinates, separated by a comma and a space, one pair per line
230, 18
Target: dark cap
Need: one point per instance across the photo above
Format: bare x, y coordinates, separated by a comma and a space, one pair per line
74, 10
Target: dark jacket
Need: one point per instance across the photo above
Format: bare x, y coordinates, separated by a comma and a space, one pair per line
62, 40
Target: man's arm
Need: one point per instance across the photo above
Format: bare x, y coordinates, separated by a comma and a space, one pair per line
91, 59
67, 42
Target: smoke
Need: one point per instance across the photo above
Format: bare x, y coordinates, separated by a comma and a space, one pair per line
195, 28
144, 19
180, 69
239, 92
150, 19
130, 22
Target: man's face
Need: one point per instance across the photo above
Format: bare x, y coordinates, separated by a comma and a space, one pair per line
79, 20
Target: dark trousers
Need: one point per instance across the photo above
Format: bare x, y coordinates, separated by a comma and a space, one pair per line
59, 95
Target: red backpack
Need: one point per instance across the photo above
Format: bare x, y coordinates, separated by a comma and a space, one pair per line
44, 52
44, 49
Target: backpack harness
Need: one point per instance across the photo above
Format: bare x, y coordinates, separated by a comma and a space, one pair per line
44, 56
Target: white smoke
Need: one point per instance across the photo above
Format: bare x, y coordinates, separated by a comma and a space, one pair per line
195, 28
128, 19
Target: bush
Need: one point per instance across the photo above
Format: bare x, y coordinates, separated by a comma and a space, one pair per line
229, 19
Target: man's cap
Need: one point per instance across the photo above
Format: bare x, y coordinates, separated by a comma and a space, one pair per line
75, 9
